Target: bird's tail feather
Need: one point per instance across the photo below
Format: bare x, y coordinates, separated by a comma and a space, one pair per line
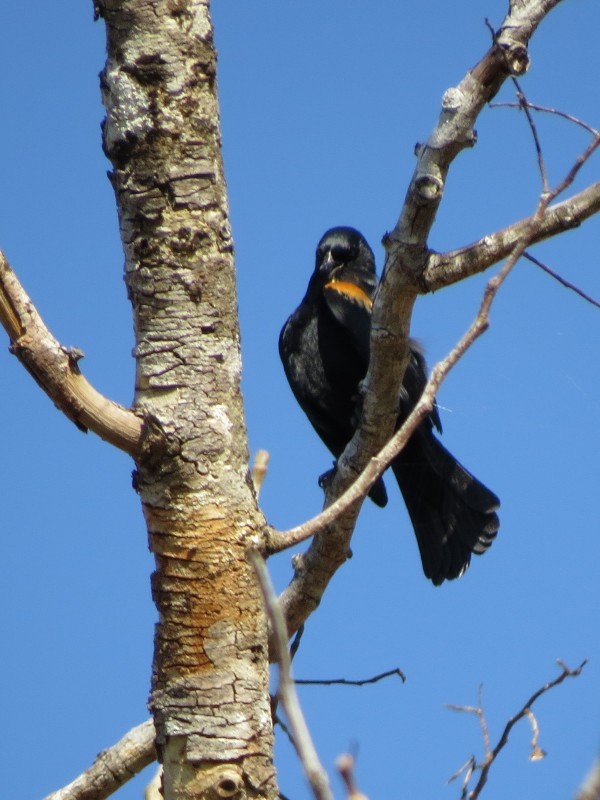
453, 513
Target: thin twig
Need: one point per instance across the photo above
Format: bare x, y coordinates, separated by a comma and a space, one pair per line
560, 279
577, 165
523, 104
316, 775
278, 721
525, 711
534, 132
485, 768
346, 682
548, 110
468, 768
296, 642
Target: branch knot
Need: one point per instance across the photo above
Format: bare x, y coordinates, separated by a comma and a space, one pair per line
429, 188
516, 56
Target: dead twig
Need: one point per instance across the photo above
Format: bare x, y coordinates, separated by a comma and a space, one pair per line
346, 682
491, 754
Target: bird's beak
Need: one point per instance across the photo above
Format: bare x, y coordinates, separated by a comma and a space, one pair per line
332, 267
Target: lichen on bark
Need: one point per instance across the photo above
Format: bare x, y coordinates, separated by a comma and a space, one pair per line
210, 676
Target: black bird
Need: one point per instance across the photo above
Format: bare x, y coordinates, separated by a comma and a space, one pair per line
324, 347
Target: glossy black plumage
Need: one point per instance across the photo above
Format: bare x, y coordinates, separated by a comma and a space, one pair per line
324, 347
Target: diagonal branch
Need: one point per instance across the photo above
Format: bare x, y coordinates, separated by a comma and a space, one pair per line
56, 370
567, 284
406, 245
357, 491
303, 594
444, 269
329, 547
113, 767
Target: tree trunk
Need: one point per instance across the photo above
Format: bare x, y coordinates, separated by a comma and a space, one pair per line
210, 677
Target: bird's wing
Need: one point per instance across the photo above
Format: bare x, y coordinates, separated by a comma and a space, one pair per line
415, 379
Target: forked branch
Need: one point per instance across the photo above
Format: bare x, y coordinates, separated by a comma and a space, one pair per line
444, 269
491, 754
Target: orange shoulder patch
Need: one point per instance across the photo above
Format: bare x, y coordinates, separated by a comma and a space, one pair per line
351, 291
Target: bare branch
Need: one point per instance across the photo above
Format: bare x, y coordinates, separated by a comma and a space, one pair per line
56, 369
478, 712
345, 682
534, 132
455, 129
401, 283
113, 767
444, 269
524, 105
406, 246
524, 711
316, 775
377, 465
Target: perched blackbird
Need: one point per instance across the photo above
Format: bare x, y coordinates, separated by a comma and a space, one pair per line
324, 347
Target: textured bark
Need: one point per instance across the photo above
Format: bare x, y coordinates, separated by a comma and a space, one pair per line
210, 678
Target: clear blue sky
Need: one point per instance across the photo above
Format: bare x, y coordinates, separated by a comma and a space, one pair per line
322, 104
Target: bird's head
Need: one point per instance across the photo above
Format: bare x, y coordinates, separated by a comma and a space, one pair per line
343, 250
